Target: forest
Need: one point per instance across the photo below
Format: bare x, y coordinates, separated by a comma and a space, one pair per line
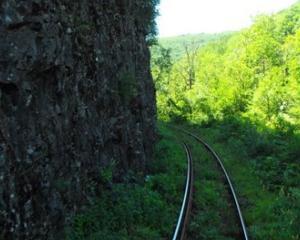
241, 90
109, 132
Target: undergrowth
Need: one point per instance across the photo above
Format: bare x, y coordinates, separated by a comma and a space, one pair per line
264, 166
146, 208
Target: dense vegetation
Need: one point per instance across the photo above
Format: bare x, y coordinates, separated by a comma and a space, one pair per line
142, 207
254, 73
241, 92
243, 89
213, 215
269, 204
151, 13
178, 44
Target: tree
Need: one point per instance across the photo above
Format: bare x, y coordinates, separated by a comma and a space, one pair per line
273, 98
161, 65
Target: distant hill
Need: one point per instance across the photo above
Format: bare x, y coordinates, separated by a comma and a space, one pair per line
178, 43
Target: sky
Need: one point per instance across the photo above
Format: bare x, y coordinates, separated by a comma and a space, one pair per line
179, 17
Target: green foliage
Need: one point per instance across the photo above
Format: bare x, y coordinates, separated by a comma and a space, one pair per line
161, 66
106, 174
246, 90
146, 208
253, 73
123, 212
177, 44
150, 12
272, 98
264, 167
288, 21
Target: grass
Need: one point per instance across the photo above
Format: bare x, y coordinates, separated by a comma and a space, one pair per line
147, 207
213, 216
269, 210
142, 208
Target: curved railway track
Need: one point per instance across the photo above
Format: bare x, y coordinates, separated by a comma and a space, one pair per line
179, 233
185, 210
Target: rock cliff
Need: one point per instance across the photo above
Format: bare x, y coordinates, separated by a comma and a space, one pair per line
75, 95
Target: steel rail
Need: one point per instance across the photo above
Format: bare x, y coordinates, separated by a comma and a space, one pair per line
238, 208
179, 233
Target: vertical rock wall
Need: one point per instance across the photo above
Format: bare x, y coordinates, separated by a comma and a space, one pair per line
75, 94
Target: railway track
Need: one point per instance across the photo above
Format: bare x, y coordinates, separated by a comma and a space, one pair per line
182, 224
186, 207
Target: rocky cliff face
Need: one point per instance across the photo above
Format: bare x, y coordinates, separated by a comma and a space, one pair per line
75, 95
